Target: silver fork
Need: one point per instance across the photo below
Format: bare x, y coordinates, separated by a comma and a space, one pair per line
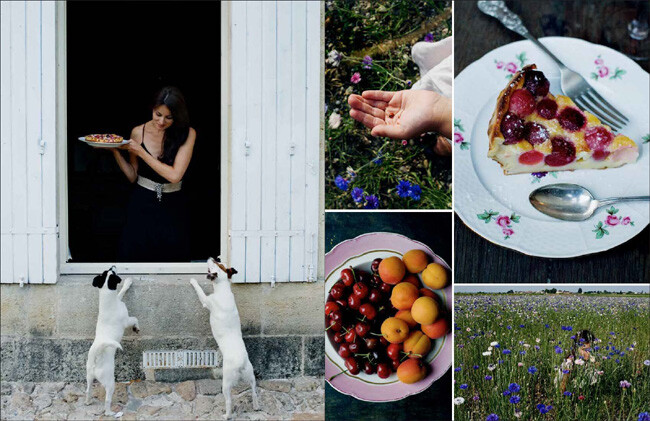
573, 85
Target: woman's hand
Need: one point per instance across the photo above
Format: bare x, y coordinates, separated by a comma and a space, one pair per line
133, 147
402, 114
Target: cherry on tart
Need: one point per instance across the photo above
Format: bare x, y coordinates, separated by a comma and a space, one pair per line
531, 130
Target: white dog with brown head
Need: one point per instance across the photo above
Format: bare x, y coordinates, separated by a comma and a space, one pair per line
226, 328
112, 319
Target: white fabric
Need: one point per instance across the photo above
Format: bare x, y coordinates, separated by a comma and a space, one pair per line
435, 61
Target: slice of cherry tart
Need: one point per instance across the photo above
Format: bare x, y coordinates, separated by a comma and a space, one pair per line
531, 130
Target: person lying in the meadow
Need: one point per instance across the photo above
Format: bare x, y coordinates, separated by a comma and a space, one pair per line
579, 355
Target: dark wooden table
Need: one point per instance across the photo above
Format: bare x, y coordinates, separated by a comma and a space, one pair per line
478, 260
434, 230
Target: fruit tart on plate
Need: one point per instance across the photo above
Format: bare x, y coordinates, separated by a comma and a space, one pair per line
531, 130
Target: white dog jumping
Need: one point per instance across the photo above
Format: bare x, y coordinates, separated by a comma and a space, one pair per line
226, 328
113, 318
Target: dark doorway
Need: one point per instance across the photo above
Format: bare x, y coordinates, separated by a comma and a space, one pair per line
119, 54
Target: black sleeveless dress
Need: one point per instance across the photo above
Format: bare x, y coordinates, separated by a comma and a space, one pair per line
155, 231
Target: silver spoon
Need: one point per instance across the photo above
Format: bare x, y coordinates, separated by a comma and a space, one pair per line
571, 202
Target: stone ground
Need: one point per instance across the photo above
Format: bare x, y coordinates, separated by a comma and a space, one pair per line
299, 398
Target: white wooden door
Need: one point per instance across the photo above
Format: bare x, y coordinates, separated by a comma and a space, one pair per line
274, 141
28, 142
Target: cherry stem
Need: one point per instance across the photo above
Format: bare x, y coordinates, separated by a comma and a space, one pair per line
377, 334
337, 374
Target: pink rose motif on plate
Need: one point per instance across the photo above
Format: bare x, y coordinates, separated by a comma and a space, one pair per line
611, 220
511, 67
503, 221
599, 61
603, 71
458, 138
500, 65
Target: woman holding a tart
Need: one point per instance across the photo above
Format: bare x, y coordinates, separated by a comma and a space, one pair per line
159, 153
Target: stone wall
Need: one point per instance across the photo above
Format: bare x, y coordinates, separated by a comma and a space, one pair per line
47, 329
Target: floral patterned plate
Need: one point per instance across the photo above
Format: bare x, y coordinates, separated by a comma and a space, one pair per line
496, 206
359, 252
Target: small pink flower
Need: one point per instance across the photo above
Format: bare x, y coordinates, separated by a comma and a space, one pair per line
508, 232
503, 221
603, 71
612, 220
520, 364
599, 61
626, 220
511, 67
404, 143
499, 65
458, 138
356, 77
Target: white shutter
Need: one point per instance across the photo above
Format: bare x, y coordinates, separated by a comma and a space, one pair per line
275, 102
28, 78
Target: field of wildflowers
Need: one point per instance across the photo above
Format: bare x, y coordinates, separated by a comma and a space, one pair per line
509, 351
367, 46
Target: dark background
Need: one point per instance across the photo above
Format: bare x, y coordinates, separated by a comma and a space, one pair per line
119, 54
603, 22
434, 230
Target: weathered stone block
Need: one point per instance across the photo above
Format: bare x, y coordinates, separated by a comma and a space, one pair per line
187, 390
275, 357
208, 386
283, 308
314, 356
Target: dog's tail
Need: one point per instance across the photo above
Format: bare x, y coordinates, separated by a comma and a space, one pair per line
95, 351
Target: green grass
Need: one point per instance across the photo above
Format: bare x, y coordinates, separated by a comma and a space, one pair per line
386, 30
619, 322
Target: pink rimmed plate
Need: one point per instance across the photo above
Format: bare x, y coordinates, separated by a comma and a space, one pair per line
359, 252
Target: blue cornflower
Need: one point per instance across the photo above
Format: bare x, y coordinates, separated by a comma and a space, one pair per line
522, 325
507, 352
429, 38
415, 191
378, 161
367, 62
558, 350
506, 393
403, 188
522, 352
500, 361
509, 327
547, 326
372, 202
475, 367
497, 346
644, 416
457, 369
532, 370
488, 377
543, 409
357, 194
515, 399
341, 183
567, 393
463, 386
514, 387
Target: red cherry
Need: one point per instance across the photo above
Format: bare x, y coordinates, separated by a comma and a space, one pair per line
383, 370
336, 316
339, 338
374, 296
334, 326
331, 306
368, 368
383, 341
347, 276
598, 138
368, 310
512, 128
363, 276
362, 329
357, 346
351, 335
395, 364
600, 154
547, 108
344, 350
342, 303
531, 157
337, 292
535, 133
354, 302
361, 290
571, 119
372, 343
522, 103
393, 351
352, 365
374, 266
385, 288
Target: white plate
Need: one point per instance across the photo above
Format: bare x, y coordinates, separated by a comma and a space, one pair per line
104, 145
496, 206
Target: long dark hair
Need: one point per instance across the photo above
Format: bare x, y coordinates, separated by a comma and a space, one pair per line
176, 134
582, 337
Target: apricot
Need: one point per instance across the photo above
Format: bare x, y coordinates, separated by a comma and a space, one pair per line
406, 316
392, 270
417, 345
415, 260
425, 310
411, 371
394, 330
437, 329
412, 279
435, 276
404, 295
426, 292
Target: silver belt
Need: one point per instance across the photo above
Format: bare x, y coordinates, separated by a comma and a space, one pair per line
158, 187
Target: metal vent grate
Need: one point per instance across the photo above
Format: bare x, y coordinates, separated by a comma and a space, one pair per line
181, 359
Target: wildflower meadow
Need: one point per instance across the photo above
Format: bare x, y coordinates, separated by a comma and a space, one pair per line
368, 47
511, 356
